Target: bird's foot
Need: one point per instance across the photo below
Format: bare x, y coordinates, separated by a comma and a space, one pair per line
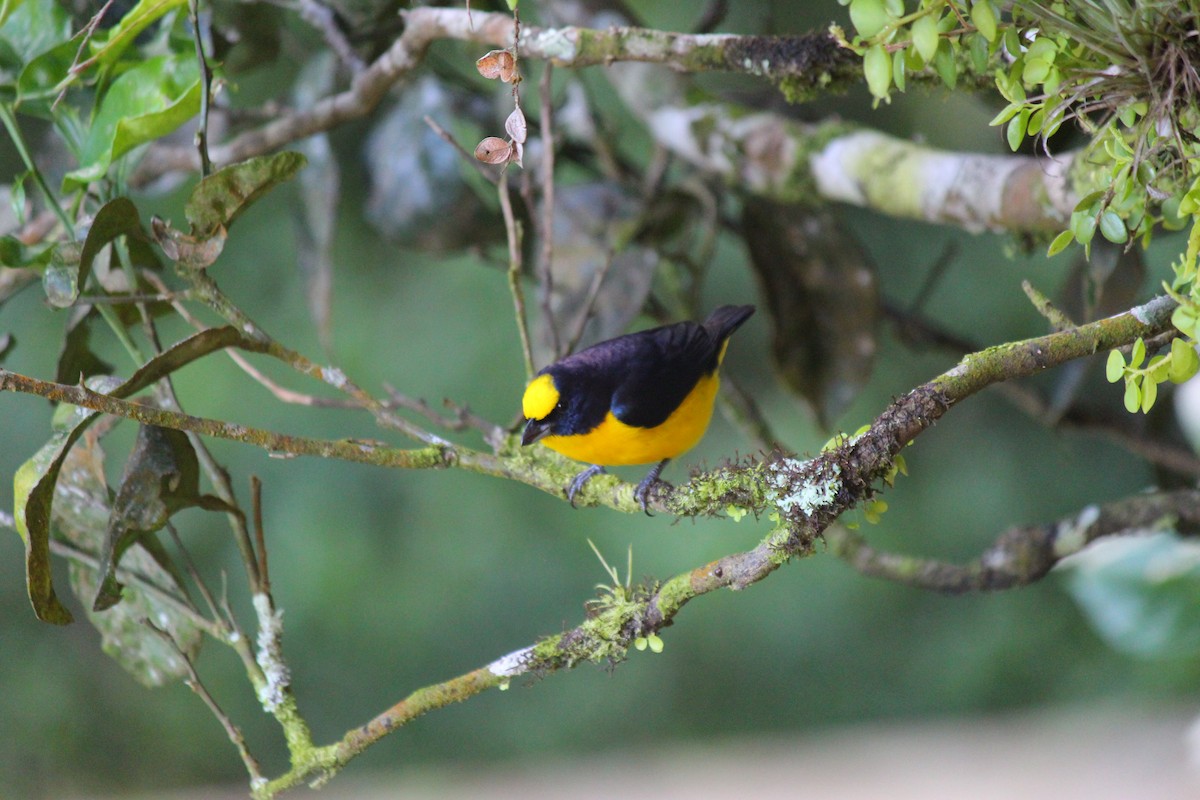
580, 480
641, 493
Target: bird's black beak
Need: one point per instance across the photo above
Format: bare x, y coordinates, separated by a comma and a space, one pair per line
534, 429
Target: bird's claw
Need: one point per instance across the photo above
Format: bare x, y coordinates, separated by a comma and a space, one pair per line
580, 479
642, 492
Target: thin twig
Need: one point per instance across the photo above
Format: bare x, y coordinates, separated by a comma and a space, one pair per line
78, 66
205, 88
461, 416
589, 302
483, 169
194, 574
194, 683
546, 261
512, 230
260, 537
1058, 320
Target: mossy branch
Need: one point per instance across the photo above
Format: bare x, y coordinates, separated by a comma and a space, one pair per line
1022, 555
765, 154
808, 497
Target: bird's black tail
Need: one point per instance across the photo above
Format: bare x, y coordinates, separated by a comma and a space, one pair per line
724, 320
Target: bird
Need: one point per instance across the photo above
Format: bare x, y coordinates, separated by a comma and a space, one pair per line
641, 398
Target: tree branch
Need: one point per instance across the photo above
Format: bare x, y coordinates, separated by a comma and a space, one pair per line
1023, 555
766, 154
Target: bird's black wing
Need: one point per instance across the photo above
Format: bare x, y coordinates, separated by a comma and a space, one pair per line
660, 367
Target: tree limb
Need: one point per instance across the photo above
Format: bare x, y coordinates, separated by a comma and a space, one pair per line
766, 154
1021, 555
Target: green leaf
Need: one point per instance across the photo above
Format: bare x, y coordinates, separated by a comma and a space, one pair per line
868, 16
107, 48
1149, 394
162, 476
34, 482
1114, 368
979, 50
1015, 132
945, 65
1133, 395
1083, 225
118, 217
983, 16
32, 28
1006, 113
1185, 318
1184, 361
1138, 354
898, 69
1035, 71
33, 492
81, 513
1141, 594
1158, 368
7, 7
1060, 243
218, 199
1112, 227
145, 103
877, 67
1035, 122
925, 36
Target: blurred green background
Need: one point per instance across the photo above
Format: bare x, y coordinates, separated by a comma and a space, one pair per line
391, 580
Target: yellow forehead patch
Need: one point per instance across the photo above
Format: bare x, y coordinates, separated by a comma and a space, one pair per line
540, 397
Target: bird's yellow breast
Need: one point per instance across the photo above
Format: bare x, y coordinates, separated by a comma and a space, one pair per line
613, 443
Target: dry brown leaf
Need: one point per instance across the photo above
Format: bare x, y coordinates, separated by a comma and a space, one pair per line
497, 64
493, 150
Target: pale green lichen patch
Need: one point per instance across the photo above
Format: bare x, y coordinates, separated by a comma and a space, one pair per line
809, 495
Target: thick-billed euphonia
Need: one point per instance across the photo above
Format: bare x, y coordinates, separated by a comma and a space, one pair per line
641, 398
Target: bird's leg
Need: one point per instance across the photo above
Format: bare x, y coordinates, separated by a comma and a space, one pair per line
643, 488
580, 480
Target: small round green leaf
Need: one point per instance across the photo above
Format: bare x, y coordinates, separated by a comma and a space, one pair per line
869, 17
898, 69
983, 16
1159, 368
1015, 133
877, 68
1114, 368
1138, 354
1184, 361
1112, 227
1083, 225
925, 36
1149, 395
1133, 397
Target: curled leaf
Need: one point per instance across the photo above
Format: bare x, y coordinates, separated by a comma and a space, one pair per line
193, 252
497, 64
493, 150
515, 125
35, 481
82, 508
161, 477
221, 197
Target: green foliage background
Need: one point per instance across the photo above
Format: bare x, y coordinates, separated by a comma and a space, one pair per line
392, 580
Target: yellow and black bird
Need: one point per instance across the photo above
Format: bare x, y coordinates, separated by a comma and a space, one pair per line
642, 398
